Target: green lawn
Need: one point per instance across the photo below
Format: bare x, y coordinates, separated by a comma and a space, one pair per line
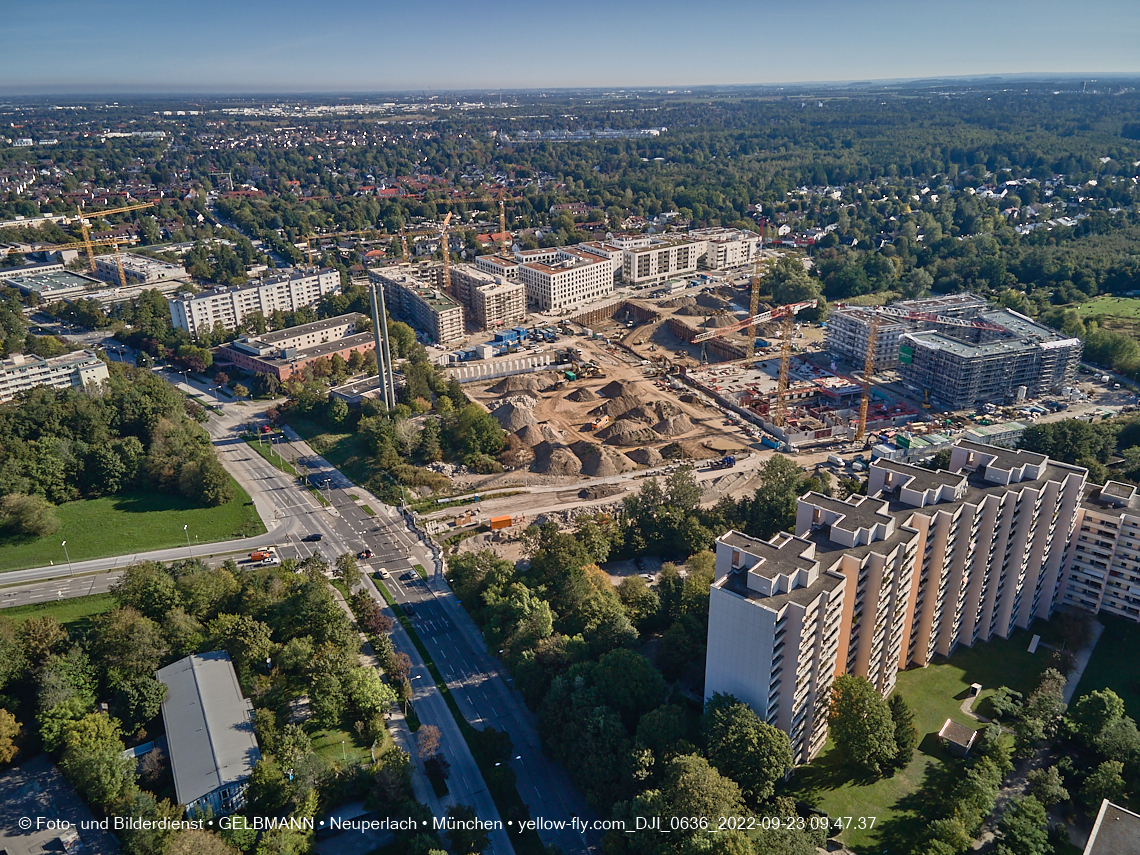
327, 743
1114, 664
130, 523
1117, 307
75, 613
934, 693
348, 452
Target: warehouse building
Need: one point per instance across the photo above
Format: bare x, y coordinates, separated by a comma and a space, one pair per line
137, 269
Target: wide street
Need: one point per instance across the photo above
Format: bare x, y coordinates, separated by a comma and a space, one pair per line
481, 689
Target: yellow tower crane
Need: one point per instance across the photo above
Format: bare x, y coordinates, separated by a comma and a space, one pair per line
96, 215
868, 370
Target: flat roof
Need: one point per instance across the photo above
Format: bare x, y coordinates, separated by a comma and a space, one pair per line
45, 282
208, 728
318, 350
305, 329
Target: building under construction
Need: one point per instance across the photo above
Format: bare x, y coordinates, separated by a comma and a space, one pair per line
956, 350
1030, 360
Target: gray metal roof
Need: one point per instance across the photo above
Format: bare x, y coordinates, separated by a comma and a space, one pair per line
208, 727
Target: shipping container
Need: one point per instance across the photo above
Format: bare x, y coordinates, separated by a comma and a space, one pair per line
504, 521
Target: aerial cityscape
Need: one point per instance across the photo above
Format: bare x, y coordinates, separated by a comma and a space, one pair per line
483, 454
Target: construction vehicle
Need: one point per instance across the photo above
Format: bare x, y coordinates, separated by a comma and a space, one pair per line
600, 422
726, 462
262, 554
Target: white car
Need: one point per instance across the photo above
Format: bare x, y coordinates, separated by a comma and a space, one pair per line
271, 561
382, 573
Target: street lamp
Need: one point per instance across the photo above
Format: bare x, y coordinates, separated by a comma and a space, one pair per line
69, 567
186, 530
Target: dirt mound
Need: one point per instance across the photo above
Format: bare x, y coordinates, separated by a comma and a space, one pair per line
556, 460
581, 395
616, 407
693, 311
674, 426
601, 462
628, 432
600, 491
654, 411
718, 321
517, 383
680, 302
513, 417
687, 450
688, 399
552, 434
618, 389
646, 456
706, 298
530, 435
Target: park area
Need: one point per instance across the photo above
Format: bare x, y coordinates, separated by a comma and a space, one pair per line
129, 523
1126, 308
934, 693
1114, 665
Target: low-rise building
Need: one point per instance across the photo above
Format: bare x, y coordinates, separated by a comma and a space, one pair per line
438, 317
25, 270
137, 269
209, 733
290, 351
55, 284
286, 291
1115, 832
79, 370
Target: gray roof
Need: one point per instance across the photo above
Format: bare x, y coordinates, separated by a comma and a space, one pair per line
208, 728
1117, 832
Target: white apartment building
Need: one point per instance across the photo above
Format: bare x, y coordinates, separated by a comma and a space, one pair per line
424, 306
928, 561
1102, 567
496, 265
727, 248
774, 625
137, 269
285, 292
649, 259
573, 278
604, 249
80, 370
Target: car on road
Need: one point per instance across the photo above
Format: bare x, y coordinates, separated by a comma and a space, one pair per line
365, 553
382, 573
407, 577
266, 429
271, 561
312, 538
409, 608
648, 577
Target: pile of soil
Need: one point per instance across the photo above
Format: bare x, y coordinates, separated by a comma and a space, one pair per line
556, 460
706, 298
652, 412
552, 434
618, 389
688, 399
681, 302
513, 417
616, 407
530, 435
581, 395
718, 321
687, 451
517, 383
693, 311
600, 491
628, 432
601, 462
674, 426
646, 456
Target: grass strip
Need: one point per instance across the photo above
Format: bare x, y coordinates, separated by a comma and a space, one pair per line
419, 568
278, 462
500, 780
368, 510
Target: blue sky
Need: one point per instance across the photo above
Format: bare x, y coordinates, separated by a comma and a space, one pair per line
61, 46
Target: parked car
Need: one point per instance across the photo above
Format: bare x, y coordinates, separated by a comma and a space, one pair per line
382, 573
312, 538
407, 577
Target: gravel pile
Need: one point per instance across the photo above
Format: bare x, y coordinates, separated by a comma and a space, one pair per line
616, 407
598, 461
646, 456
618, 389
581, 395
674, 426
517, 383
628, 432
530, 435
687, 451
513, 418
556, 460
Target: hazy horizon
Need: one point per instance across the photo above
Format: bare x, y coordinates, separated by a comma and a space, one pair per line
64, 47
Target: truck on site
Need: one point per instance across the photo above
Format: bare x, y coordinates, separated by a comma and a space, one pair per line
263, 553
726, 462
600, 422
836, 461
